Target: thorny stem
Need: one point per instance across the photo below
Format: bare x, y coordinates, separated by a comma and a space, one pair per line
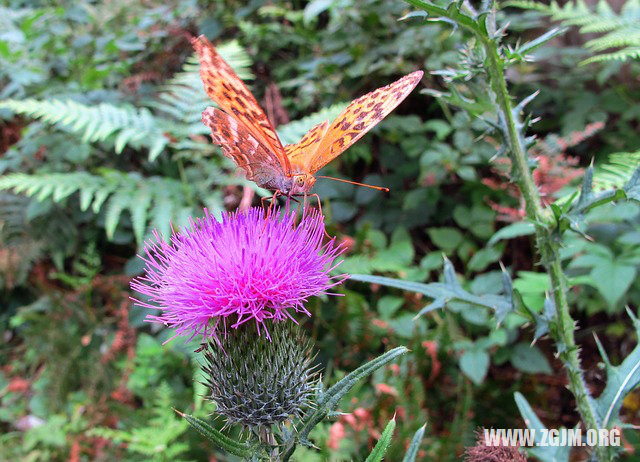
545, 240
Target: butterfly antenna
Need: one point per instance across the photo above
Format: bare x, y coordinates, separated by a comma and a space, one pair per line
379, 188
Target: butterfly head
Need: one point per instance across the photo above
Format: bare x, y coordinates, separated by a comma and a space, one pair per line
302, 183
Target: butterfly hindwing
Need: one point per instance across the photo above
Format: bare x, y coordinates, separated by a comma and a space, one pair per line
238, 144
357, 119
224, 87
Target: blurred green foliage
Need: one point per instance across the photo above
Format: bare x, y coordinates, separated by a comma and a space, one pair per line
100, 143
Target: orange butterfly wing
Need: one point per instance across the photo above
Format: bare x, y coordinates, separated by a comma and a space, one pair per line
364, 113
298, 153
224, 87
238, 144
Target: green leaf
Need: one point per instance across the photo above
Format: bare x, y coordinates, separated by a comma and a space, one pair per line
139, 209
446, 291
126, 124
483, 258
448, 239
621, 380
414, 446
228, 444
435, 305
530, 46
329, 400
403, 325
451, 15
474, 363
383, 443
398, 256
333, 395
116, 205
521, 228
588, 199
529, 359
314, 8
551, 453
388, 305
612, 279
620, 30
440, 127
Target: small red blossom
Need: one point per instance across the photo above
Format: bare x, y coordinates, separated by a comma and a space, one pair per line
555, 170
383, 388
336, 434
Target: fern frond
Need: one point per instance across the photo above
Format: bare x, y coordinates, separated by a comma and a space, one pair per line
616, 173
13, 220
184, 97
151, 201
622, 55
158, 439
621, 30
19, 250
124, 125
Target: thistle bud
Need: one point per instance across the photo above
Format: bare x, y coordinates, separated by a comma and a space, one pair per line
258, 381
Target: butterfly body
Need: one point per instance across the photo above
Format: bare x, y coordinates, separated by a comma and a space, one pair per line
296, 184
246, 136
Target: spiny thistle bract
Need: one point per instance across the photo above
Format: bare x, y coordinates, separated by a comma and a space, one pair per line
256, 381
242, 268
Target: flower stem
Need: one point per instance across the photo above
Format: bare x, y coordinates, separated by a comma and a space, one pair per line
545, 240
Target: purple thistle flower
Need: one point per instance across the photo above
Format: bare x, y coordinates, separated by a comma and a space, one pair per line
242, 268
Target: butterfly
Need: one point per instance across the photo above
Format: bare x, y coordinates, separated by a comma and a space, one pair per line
247, 137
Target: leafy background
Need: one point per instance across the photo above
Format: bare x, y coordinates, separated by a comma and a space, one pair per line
101, 142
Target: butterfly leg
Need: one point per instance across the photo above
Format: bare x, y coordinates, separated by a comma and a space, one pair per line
321, 214
301, 205
274, 200
262, 201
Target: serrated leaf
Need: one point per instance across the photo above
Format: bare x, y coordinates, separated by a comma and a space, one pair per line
435, 305
621, 380
414, 446
377, 454
530, 46
444, 291
330, 399
531, 420
544, 321
228, 444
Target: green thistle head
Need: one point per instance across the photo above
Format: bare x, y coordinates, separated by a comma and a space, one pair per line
256, 381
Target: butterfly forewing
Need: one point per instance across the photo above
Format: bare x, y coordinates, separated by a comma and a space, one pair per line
238, 144
300, 152
356, 120
224, 87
